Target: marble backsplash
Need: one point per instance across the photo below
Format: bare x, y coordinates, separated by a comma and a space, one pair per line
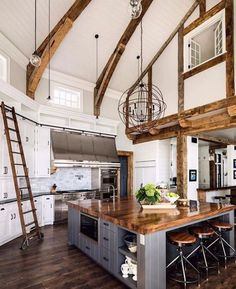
65, 179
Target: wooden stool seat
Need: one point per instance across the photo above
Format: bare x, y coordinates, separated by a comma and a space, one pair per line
182, 238
222, 225
202, 231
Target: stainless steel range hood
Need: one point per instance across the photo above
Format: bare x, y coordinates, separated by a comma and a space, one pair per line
74, 149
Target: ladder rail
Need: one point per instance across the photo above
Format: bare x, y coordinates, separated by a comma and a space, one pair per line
5, 109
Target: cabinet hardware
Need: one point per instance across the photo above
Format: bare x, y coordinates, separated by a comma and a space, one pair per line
106, 239
35, 201
11, 217
87, 248
104, 258
5, 170
47, 198
2, 209
27, 139
106, 224
14, 215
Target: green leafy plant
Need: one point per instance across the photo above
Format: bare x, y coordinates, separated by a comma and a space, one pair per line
148, 194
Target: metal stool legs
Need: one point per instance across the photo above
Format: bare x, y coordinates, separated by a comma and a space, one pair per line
205, 250
223, 243
183, 260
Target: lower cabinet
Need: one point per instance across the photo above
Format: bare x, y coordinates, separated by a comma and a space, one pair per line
89, 247
48, 210
10, 226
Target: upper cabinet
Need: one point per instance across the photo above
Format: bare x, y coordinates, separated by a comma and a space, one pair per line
42, 152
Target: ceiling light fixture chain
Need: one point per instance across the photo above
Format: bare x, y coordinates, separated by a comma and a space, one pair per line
140, 107
35, 59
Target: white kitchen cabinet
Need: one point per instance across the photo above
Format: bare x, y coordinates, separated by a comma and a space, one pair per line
10, 227
27, 132
5, 168
145, 172
38, 207
42, 152
48, 209
7, 189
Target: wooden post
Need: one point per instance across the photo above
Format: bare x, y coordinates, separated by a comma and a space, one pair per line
202, 7
180, 69
229, 30
150, 94
212, 169
182, 165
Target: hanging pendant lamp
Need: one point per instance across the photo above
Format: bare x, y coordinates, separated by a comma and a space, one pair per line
141, 106
35, 59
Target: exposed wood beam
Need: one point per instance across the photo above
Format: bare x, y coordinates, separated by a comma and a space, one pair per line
57, 35
217, 8
229, 31
213, 139
202, 7
208, 64
185, 123
180, 69
104, 79
167, 42
182, 165
232, 110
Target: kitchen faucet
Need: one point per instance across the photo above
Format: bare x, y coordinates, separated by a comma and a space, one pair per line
113, 191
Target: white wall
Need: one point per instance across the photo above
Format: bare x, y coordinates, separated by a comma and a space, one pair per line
192, 164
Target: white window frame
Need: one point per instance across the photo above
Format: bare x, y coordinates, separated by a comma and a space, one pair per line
56, 85
220, 16
7, 68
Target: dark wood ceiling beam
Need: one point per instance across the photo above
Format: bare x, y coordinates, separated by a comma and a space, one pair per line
202, 7
165, 44
106, 74
58, 33
214, 10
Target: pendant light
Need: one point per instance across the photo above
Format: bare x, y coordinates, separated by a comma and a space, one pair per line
35, 59
140, 107
49, 50
135, 8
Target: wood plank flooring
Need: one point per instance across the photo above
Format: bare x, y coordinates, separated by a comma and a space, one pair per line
51, 264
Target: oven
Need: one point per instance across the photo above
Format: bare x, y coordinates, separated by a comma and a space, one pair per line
89, 226
109, 177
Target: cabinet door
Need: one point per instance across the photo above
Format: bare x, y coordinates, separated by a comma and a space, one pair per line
27, 131
42, 153
27, 217
15, 221
4, 224
7, 190
38, 207
48, 210
5, 167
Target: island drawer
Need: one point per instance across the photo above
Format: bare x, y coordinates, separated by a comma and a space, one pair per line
107, 225
89, 247
107, 259
107, 239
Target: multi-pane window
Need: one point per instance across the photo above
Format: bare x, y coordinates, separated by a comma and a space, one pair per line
3, 67
205, 42
219, 39
67, 97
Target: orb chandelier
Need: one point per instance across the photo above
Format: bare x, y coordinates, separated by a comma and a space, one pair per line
140, 107
135, 8
35, 59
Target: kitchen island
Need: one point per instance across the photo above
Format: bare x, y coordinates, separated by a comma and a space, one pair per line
98, 229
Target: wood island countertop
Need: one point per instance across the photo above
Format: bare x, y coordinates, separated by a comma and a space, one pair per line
128, 214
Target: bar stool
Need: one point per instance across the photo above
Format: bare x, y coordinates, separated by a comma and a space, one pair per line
219, 228
204, 233
181, 239
219, 199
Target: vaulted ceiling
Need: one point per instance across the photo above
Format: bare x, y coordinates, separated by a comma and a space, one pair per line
108, 18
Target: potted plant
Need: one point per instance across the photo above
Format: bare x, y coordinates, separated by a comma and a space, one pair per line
148, 195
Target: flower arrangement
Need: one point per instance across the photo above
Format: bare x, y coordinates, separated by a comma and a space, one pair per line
148, 194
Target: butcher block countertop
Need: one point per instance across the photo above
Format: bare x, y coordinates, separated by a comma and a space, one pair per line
128, 214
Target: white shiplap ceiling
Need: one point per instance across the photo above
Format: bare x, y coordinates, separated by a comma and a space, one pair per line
108, 18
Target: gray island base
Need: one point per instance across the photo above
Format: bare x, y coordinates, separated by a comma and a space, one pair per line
97, 231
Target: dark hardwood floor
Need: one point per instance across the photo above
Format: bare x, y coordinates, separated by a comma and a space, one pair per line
51, 264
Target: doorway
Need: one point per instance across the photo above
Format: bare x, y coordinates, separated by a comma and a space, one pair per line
126, 173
